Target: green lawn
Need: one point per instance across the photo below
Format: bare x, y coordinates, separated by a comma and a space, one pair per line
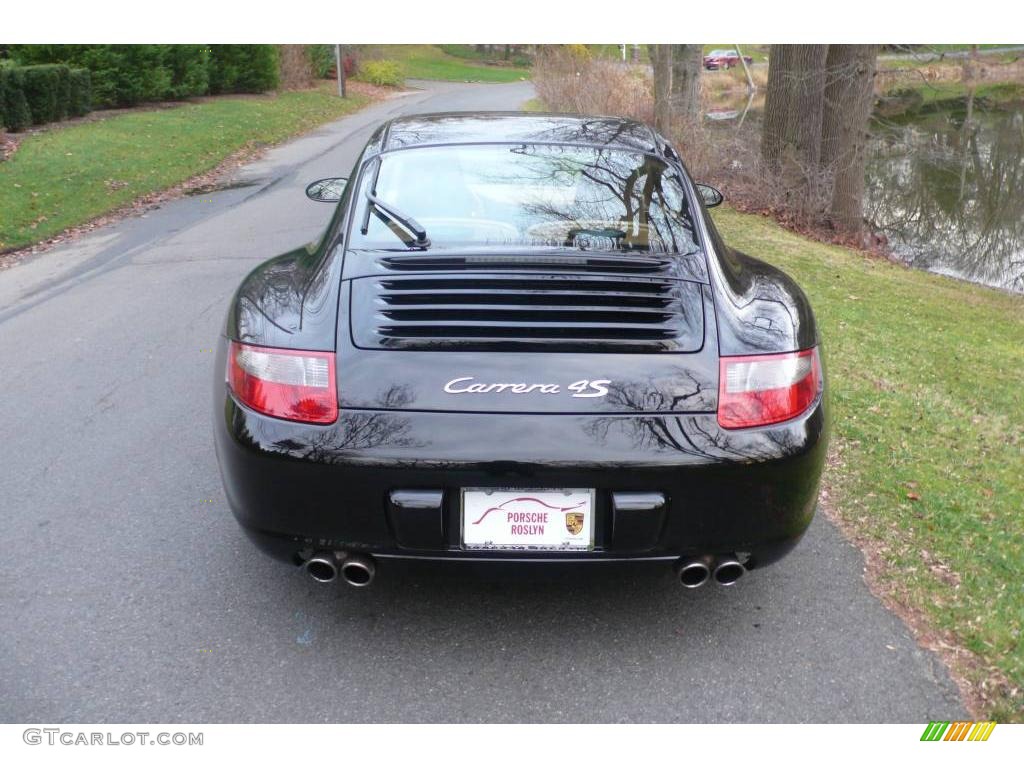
949, 90
928, 416
950, 47
70, 174
429, 62
918, 58
494, 56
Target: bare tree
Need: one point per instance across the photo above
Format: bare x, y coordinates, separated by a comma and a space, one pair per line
661, 62
687, 63
676, 83
813, 143
849, 97
801, 152
776, 106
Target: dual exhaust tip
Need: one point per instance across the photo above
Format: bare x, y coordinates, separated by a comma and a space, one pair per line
359, 570
697, 572
355, 570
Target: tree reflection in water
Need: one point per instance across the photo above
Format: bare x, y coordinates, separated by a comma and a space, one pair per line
948, 191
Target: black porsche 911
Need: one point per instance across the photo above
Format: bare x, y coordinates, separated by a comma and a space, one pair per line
520, 338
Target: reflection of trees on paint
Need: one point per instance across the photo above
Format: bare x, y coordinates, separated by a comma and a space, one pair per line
360, 431
356, 431
693, 435
286, 291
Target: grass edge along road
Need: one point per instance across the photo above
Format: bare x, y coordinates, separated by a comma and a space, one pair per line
72, 173
927, 474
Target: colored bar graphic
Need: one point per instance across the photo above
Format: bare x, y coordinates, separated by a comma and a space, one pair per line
958, 731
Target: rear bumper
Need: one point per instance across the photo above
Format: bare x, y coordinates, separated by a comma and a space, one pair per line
296, 489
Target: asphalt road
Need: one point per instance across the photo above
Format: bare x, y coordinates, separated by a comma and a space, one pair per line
128, 593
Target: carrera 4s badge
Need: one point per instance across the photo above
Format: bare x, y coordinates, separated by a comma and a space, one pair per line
467, 385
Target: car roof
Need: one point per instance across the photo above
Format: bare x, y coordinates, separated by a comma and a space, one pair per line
517, 127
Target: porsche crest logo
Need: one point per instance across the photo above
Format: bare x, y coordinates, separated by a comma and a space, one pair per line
574, 522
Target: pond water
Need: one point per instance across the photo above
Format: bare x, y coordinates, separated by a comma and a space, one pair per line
946, 190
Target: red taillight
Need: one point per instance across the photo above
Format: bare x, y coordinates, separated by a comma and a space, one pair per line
755, 390
287, 383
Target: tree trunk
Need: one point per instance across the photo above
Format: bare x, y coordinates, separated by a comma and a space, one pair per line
295, 67
791, 138
801, 155
661, 62
776, 107
849, 97
687, 61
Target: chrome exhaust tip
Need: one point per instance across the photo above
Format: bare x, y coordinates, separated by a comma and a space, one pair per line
358, 570
728, 571
322, 567
693, 573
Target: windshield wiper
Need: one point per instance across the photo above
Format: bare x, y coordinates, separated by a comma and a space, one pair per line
392, 215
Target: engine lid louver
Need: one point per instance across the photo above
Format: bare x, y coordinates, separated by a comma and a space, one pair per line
554, 312
585, 262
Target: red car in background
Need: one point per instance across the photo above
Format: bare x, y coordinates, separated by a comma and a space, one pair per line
723, 59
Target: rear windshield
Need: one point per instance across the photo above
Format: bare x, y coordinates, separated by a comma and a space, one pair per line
529, 195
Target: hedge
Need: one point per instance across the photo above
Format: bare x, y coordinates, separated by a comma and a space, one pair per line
243, 68
47, 91
43, 93
122, 75
126, 75
80, 101
14, 114
190, 71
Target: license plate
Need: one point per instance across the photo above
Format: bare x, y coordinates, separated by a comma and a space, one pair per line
528, 519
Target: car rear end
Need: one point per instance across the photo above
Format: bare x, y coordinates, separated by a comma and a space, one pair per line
596, 390
540, 379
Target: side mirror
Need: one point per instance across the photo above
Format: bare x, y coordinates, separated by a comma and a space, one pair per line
712, 196
327, 190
